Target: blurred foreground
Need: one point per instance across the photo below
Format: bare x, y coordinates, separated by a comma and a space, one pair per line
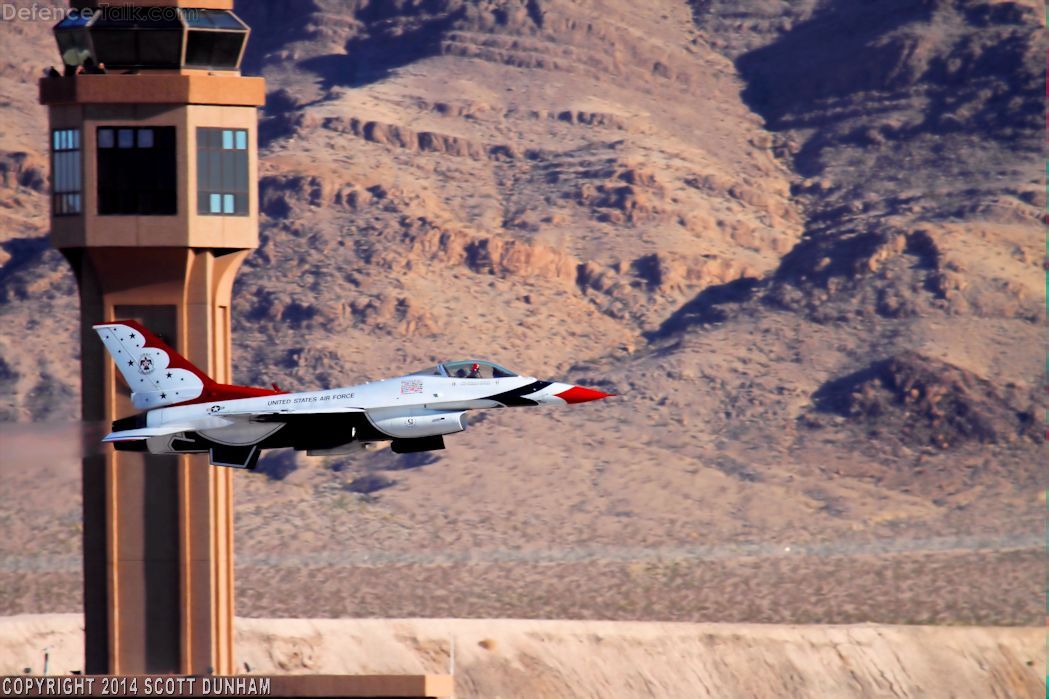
519, 658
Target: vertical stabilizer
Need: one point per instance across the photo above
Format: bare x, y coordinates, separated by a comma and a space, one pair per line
156, 374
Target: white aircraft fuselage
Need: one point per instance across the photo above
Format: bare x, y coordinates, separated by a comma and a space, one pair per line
190, 413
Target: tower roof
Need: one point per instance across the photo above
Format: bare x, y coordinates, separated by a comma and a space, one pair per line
199, 4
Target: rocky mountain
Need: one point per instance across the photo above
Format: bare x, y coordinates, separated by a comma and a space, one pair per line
801, 240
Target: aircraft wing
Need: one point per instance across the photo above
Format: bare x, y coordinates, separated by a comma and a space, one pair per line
289, 415
147, 432
224, 419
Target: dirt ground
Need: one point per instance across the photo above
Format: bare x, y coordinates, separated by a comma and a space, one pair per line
446, 543
534, 658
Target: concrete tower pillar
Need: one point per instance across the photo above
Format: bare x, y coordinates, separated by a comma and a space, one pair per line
153, 136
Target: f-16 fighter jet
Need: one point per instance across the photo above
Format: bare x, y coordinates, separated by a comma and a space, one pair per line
186, 412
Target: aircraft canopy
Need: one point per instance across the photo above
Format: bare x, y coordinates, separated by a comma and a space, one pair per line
464, 369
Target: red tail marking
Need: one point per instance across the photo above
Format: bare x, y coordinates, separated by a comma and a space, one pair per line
213, 391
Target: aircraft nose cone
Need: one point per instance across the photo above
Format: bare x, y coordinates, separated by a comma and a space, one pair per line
579, 394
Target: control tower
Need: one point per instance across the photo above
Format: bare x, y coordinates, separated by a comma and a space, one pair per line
153, 168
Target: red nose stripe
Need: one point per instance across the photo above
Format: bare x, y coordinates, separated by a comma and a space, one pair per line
578, 394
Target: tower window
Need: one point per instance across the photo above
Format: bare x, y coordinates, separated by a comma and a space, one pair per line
215, 38
222, 172
151, 37
65, 172
136, 171
122, 37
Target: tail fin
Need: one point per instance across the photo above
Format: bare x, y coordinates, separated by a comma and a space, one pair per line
157, 374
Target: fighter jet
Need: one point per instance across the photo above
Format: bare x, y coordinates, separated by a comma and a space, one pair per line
186, 412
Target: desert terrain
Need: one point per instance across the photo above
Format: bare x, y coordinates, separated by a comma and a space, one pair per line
533, 658
802, 242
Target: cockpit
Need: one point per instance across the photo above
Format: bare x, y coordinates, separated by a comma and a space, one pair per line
467, 369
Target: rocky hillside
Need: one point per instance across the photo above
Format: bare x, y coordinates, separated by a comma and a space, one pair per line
802, 241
